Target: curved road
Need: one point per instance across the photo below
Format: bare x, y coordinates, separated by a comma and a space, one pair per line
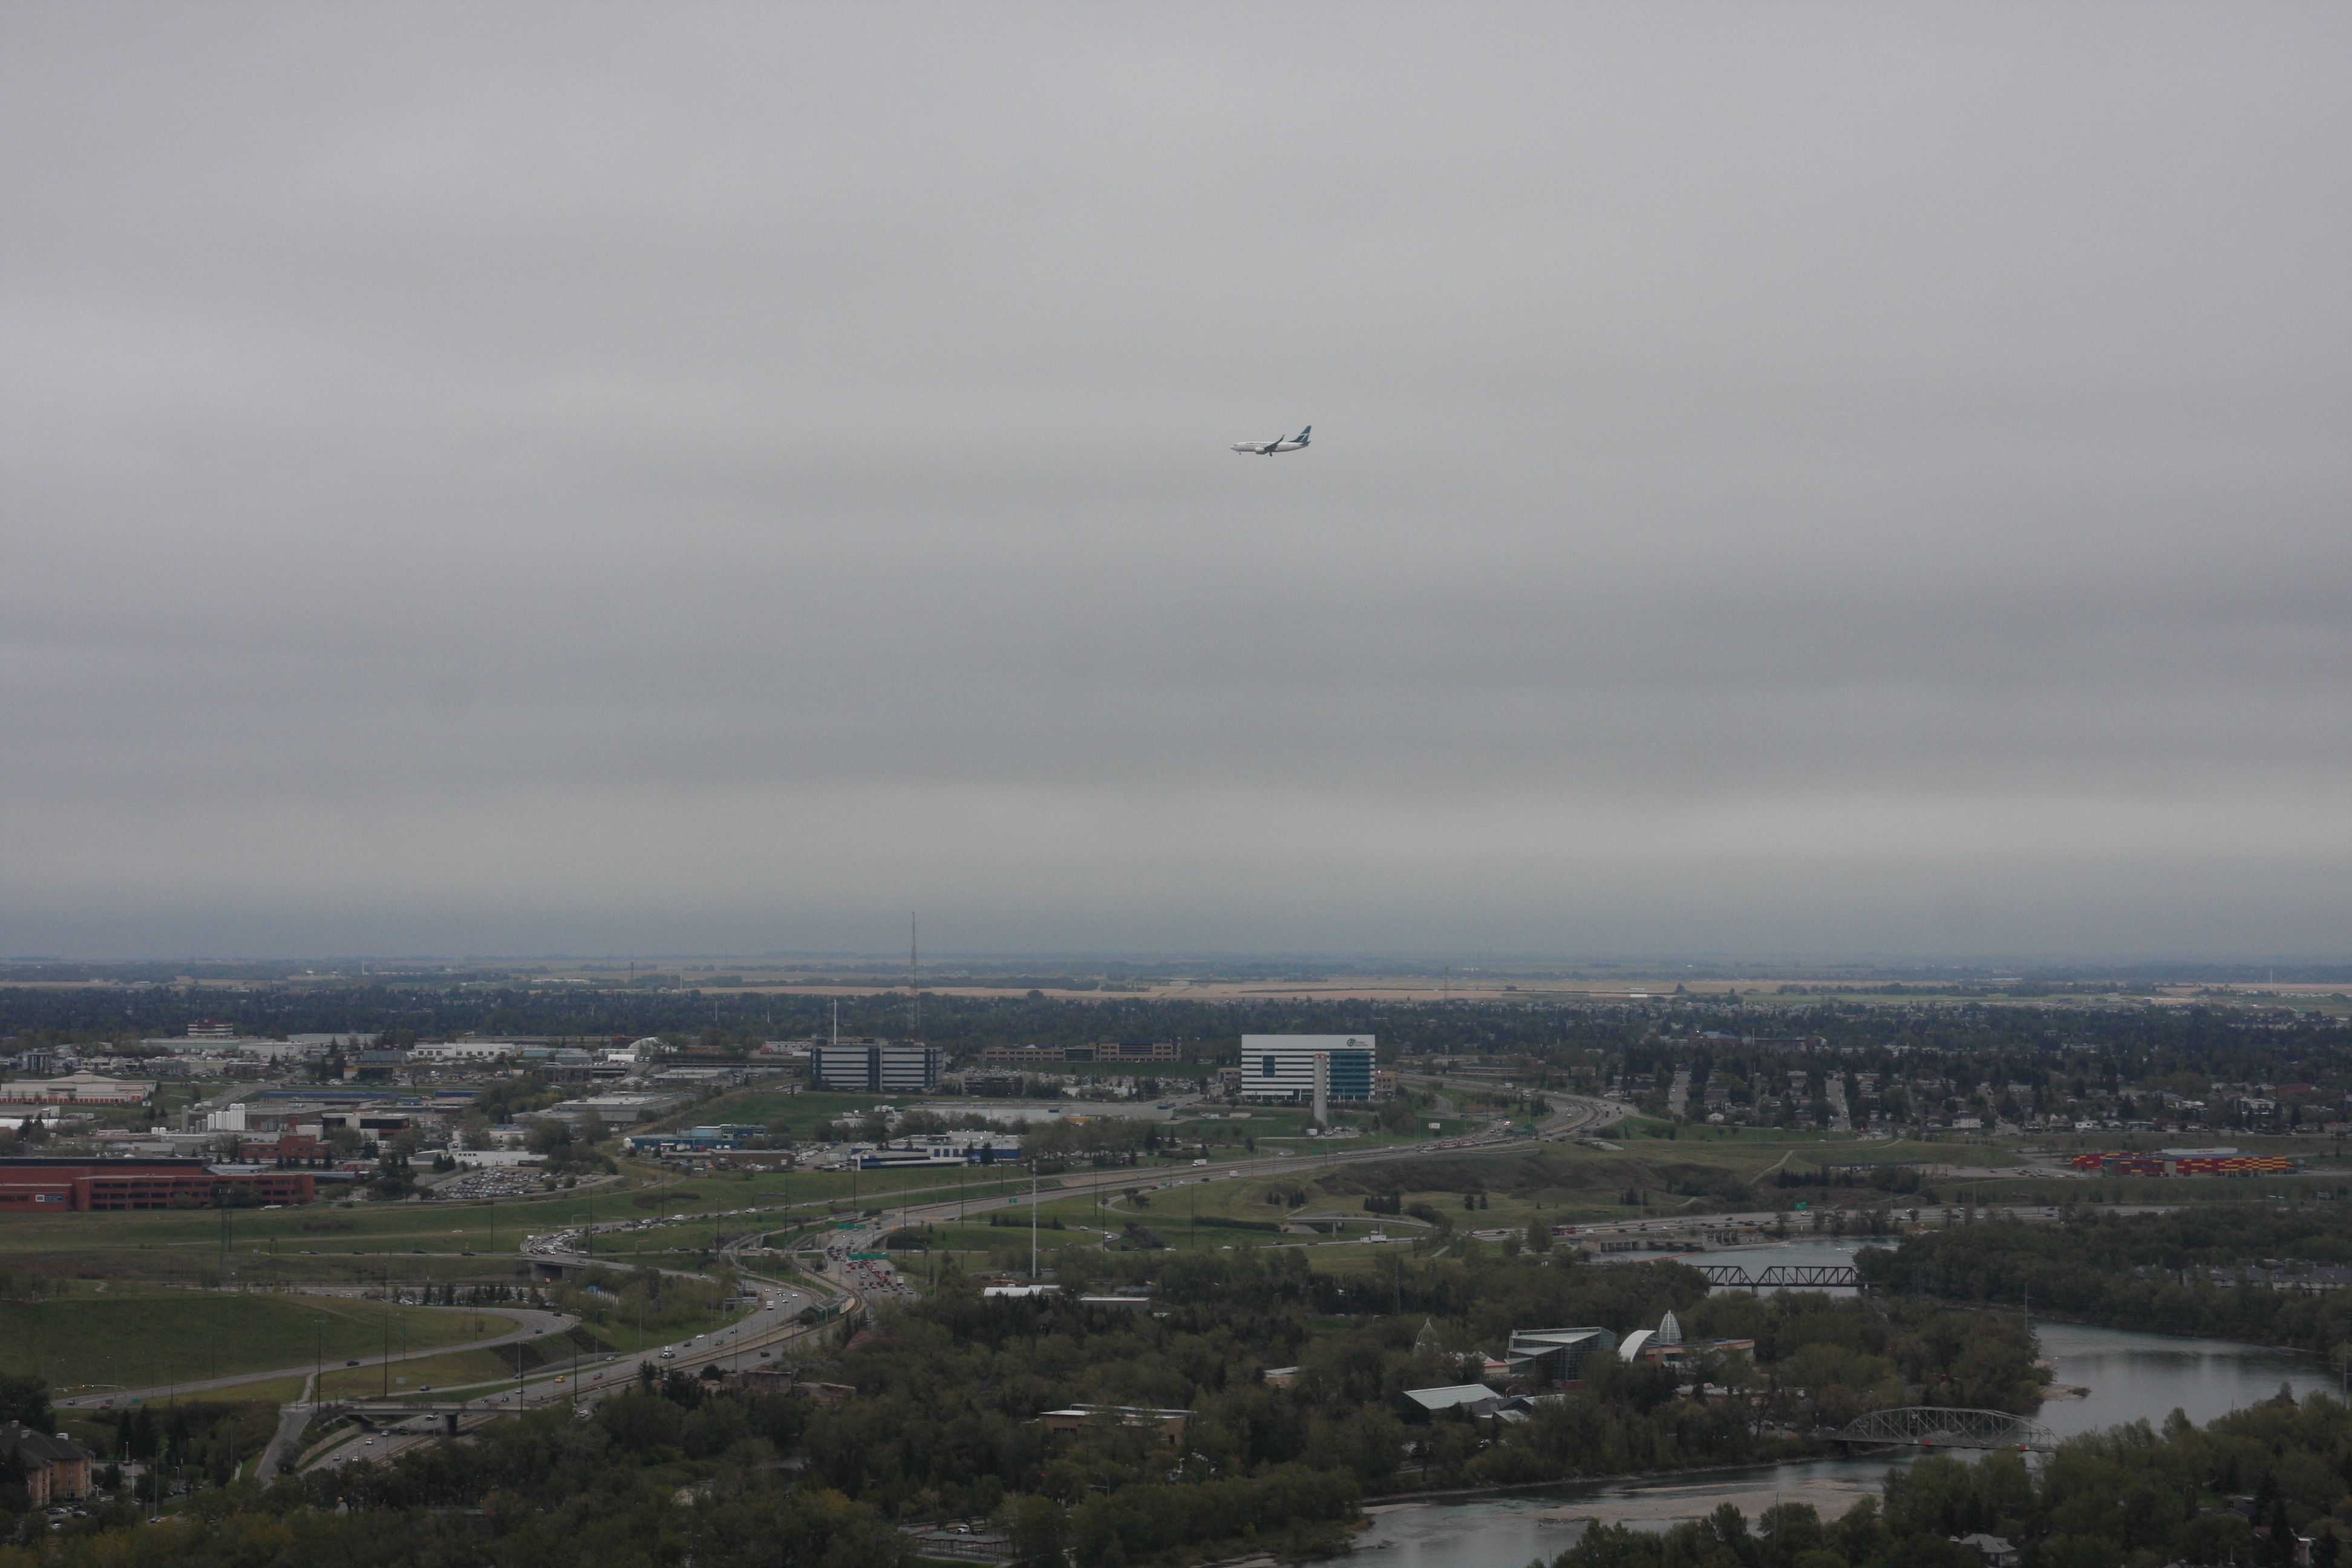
530, 1321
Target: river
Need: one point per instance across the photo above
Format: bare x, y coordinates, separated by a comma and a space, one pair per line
2131, 1376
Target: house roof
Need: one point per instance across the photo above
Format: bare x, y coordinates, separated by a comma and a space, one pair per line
25, 1443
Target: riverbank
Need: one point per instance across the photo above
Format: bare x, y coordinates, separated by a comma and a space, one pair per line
1623, 1478
2127, 1375
1830, 1497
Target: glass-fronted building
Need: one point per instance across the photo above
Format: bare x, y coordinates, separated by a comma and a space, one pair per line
1279, 1069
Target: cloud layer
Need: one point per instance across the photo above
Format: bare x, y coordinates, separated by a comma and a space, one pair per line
511, 479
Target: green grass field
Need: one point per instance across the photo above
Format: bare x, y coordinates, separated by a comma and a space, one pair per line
798, 1113
146, 1338
436, 1241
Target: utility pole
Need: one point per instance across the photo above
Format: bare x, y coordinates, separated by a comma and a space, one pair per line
914, 988
1033, 1221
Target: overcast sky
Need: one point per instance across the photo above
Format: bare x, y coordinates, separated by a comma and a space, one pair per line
1808, 480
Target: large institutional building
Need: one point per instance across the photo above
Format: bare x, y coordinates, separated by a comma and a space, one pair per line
1282, 1069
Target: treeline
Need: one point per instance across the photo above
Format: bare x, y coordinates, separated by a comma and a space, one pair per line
653, 1477
958, 1023
214, 1436
635, 1298
944, 1423
1568, 1043
2242, 1489
2150, 1271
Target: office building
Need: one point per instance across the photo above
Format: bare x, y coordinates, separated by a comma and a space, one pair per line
1280, 1070
875, 1067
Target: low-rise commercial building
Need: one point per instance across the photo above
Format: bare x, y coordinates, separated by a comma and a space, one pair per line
1557, 1354
1418, 1405
613, 1109
1167, 1426
78, 1089
34, 1185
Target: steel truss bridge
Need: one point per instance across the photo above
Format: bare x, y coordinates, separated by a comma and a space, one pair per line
1782, 1275
1926, 1426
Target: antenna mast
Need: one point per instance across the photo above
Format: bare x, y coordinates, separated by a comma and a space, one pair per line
914, 991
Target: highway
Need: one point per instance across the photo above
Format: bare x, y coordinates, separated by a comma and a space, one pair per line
1573, 1117
774, 1325
398, 1425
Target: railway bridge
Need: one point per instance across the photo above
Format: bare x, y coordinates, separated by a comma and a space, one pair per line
1931, 1426
1782, 1275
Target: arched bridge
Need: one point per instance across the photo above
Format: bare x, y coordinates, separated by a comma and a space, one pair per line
1782, 1275
1927, 1427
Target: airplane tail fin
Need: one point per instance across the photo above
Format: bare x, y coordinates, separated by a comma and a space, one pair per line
1304, 433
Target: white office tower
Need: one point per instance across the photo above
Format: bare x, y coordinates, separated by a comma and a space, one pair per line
1280, 1070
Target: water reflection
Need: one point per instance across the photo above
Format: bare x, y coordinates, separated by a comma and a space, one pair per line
2145, 1376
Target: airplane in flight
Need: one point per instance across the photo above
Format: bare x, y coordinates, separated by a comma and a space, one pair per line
1279, 444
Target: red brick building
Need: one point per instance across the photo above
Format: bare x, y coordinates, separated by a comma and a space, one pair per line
73, 1186
286, 1149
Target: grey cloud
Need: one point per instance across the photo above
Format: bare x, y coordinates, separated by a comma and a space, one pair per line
513, 477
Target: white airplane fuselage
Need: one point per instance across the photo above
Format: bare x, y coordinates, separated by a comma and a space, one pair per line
1279, 444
